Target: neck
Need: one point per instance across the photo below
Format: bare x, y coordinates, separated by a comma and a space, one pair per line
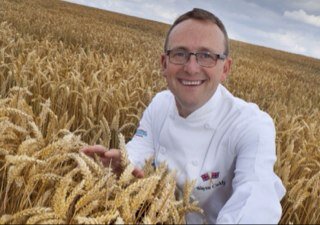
184, 111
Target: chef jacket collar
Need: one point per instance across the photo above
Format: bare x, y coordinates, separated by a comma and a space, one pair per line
206, 114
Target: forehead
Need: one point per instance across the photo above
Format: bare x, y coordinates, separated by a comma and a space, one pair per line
196, 35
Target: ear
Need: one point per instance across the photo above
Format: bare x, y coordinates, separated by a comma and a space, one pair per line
226, 69
163, 60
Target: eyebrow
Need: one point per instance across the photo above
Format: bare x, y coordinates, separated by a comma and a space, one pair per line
180, 48
203, 49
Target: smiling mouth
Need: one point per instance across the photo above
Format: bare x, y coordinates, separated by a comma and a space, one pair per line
191, 82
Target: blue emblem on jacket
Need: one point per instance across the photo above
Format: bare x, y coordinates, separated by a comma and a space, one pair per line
141, 133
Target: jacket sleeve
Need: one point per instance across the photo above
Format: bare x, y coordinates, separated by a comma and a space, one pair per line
140, 147
257, 190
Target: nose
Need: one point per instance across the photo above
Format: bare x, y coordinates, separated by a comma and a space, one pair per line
192, 65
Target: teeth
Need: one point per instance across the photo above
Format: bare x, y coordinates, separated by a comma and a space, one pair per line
191, 83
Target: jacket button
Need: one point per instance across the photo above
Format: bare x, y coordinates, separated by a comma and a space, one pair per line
163, 150
195, 163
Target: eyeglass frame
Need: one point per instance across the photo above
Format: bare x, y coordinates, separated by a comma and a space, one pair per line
218, 56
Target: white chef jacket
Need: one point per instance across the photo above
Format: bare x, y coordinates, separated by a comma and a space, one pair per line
227, 146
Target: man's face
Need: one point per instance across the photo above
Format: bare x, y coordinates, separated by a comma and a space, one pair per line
192, 84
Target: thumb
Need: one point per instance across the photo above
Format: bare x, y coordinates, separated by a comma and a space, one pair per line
138, 173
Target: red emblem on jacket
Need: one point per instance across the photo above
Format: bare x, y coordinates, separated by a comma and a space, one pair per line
205, 176
211, 175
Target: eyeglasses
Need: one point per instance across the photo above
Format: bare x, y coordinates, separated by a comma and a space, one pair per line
205, 58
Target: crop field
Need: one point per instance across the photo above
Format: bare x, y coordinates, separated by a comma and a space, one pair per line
72, 76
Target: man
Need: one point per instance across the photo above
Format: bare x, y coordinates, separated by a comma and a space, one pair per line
205, 133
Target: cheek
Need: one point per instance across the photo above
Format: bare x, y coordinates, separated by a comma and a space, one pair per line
217, 75
169, 72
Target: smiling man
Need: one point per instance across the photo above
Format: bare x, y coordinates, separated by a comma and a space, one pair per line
205, 133
194, 80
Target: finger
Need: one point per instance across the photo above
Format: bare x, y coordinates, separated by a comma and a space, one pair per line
112, 158
138, 173
113, 153
95, 149
106, 162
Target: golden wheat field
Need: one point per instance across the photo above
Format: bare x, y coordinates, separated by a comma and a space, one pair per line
72, 76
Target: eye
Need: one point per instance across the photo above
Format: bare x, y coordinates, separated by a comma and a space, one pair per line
205, 55
179, 53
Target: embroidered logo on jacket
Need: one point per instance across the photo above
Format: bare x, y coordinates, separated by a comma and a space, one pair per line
210, 175
141, 133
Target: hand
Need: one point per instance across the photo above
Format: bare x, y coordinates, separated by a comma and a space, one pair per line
110, 157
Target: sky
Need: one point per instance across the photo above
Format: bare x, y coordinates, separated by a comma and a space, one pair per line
288, 25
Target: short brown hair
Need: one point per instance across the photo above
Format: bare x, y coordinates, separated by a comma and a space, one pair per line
200, 14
